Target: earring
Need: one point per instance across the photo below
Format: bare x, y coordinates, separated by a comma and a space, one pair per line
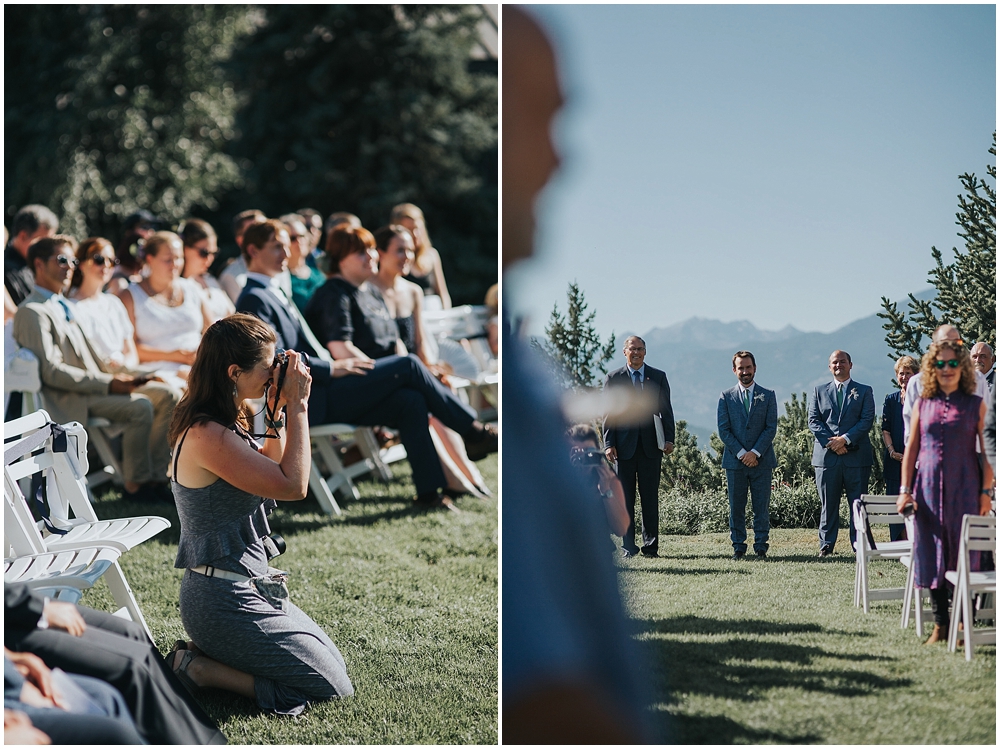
235, 394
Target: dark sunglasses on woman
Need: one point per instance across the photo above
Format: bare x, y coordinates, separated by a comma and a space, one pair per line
102, 260
953, 363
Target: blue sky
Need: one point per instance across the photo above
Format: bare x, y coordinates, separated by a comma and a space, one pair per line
779, 164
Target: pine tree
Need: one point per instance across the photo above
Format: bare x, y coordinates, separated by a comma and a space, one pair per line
688, 468
793, 443
966, 288
573, 347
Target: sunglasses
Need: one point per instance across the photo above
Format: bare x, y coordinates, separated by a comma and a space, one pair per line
205, 254
103, 260
66, 262
953, 363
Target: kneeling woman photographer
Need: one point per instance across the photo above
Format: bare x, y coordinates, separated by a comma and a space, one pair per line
246, 635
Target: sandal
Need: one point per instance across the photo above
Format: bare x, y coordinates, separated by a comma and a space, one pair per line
180, 669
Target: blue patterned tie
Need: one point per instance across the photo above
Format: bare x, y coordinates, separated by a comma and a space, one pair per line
635, 380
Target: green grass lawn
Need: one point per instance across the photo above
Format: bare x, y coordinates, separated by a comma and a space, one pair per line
409, 597
775, 651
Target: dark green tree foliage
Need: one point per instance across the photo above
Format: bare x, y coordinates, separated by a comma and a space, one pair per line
360, 107
966, 288
113, 108
793, 444
573, 347
687, 468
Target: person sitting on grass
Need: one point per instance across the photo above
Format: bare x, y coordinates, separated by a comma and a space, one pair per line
246, 635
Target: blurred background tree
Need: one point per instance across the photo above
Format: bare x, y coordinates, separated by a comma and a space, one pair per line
572, 349
209, 110
966, 288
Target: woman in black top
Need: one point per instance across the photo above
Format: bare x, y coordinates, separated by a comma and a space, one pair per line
892, 434
347, 314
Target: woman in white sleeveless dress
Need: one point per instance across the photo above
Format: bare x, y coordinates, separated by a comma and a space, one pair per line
200, 249
167, 311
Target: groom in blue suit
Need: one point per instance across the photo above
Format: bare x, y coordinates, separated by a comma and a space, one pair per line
748, 421
841, 414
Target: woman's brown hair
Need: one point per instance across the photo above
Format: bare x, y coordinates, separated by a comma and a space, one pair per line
421, 239
346, 241
928, 367
195, 230
88, 248
239, 339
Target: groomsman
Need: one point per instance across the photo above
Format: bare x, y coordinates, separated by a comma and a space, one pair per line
841, 414
635, 446
748, 421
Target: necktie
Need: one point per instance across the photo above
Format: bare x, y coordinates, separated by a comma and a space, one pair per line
319, 348
62, 303
840, 397
635, 380
746, 400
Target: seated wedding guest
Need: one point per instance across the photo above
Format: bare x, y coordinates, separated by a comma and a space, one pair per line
102, 316
397, 392
136, 229
168, 313
314, 229
234, 275
427, 272
68, 708
200, 249
246, 635
30, 223
80, 640
404, 300
305, 278
76, 384
952, 481
892, 435
333, 221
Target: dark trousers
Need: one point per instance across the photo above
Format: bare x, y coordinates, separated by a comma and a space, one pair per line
832, 482
399, 393
113, 727
758, 482
117, 651
939, 605
643, 471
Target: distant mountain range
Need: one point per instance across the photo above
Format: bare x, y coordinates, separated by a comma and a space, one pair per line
697, 357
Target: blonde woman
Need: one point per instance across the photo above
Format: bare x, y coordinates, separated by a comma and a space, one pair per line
426, 272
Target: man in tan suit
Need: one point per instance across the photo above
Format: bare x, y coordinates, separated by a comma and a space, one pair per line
76, 384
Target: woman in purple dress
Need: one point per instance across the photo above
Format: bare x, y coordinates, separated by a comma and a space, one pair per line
952, 480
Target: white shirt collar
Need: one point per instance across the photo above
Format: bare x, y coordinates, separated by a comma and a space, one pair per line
743, 389
845, 383
46, 294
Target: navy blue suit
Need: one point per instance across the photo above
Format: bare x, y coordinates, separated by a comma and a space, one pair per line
399, 392
836, 474
754, 431
639, 458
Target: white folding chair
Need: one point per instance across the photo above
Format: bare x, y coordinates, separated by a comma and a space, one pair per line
978, 534
475, 377
72, 523
913, 597
871, 510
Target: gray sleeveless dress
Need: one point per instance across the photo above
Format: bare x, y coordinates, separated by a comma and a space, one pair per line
292, 660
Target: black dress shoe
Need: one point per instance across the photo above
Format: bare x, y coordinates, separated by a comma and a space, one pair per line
762, 554
650, 554
738, 554
826, 551
629, 553
481, 442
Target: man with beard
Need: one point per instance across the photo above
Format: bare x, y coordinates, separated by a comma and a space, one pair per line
748, 421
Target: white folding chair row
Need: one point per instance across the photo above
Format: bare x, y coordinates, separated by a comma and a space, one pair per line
475, 377
978, 534
872, 510
72, 524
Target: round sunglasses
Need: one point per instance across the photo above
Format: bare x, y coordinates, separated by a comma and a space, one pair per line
103, 260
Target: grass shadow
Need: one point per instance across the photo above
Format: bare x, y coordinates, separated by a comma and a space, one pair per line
686, 571
718, 729
699, 625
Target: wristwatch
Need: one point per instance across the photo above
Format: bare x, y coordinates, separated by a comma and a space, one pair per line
989, 493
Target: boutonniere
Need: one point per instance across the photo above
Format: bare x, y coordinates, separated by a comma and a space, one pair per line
759, 397
853, 395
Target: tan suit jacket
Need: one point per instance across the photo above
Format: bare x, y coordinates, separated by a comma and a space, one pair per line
70, 367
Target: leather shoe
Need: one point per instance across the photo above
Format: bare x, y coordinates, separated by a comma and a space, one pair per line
628, 553
739, 555
826, 551
482, 441
762, 554
650, 554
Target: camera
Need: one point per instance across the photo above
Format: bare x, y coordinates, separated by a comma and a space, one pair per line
280, 360
274, 545
908, 510
585, 457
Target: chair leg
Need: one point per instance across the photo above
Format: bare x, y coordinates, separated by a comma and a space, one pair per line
957, 610
124, 597
969, 616
322, 492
